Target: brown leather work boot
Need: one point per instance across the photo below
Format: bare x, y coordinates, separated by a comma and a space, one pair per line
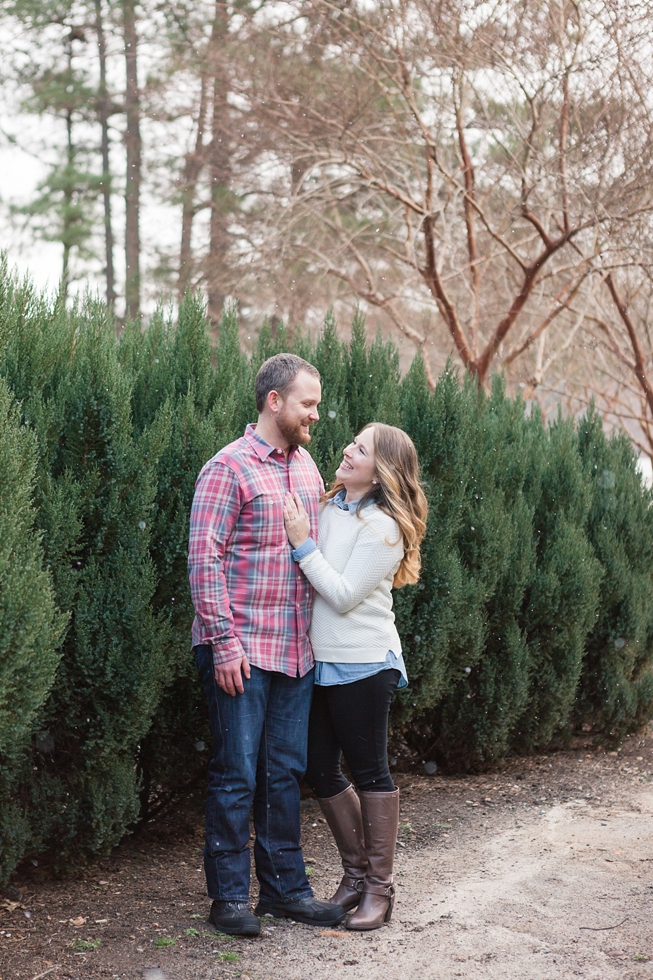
380, 823
343, 815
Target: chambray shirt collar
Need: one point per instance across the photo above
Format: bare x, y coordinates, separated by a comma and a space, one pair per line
263, 449
339, 501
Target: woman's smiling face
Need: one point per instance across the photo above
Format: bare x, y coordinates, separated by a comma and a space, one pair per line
358, 468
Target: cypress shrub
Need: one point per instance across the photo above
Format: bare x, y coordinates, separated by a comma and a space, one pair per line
616, 687
100, 480
30, 626
468, 645
563, 592
533, 614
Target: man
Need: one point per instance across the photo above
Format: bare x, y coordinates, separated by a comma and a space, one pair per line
253, 654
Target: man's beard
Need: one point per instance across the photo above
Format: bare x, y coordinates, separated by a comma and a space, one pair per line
292, 431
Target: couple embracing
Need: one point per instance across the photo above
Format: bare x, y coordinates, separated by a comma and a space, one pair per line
296, 646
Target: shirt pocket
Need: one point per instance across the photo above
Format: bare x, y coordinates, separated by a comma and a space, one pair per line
266, 521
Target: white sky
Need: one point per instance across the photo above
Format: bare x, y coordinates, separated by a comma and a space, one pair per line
20, 173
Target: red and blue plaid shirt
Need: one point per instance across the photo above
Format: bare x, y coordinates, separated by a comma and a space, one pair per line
250, 597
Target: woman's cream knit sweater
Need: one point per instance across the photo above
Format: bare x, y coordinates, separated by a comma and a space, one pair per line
352, 573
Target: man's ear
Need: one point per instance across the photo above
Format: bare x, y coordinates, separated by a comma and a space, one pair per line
274, 401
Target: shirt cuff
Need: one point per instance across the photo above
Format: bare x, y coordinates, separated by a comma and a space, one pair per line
225, 650
304, 549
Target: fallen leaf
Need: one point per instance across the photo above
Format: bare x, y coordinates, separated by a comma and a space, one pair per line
11, 906
79, 921
333, 932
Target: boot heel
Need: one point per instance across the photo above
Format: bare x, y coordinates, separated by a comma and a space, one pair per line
389, 910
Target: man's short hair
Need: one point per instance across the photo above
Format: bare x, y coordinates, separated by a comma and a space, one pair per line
278, 374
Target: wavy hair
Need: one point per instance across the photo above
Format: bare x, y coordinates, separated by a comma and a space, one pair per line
398, 493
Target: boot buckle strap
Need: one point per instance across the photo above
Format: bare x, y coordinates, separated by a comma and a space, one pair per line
386, 891
356, 883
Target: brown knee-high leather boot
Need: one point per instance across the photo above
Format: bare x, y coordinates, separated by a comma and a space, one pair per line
343, 815
380, 823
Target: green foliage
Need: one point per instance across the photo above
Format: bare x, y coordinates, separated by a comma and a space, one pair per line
564, 589
96, 485
472, 659
533, 616
30, 626
616, 687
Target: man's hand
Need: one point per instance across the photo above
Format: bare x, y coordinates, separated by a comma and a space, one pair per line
298, 525
229, 676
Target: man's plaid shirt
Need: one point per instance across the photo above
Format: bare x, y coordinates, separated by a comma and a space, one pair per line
249, 595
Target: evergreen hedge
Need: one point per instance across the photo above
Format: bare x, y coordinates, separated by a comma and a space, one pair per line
533, 617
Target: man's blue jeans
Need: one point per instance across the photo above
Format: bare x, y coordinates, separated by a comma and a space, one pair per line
259, 757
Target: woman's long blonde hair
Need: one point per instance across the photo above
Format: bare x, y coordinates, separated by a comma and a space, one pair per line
398, 493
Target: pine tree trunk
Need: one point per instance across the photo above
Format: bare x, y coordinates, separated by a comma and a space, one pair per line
68, 199
133, 177
219, 169
103, 115
192, 169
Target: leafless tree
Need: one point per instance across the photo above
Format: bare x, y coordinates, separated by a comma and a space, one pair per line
485, 159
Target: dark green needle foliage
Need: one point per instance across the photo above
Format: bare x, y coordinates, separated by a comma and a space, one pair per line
533, 616
30, 626
616, 688
96, 484
465, 630
563, 591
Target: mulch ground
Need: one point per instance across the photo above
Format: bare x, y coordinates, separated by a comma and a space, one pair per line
142, 911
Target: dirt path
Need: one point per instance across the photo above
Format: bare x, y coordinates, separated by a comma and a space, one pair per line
543, 869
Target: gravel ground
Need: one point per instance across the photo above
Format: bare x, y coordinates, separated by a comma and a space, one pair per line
540, 869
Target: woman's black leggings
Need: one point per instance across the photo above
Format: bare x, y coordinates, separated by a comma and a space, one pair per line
351, 720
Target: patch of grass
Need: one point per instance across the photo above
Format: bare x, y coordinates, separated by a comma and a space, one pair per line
228, 957
85, 945
191, 932
220, 936
309, 870
444, 826
641, 958
162, 941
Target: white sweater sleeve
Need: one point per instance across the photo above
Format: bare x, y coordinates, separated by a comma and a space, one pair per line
374, 556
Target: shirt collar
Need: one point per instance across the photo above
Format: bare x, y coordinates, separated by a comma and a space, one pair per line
263, 449
339, 500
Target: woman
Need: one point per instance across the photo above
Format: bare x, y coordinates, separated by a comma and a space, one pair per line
371, 525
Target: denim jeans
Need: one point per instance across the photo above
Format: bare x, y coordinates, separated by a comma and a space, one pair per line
259, 757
